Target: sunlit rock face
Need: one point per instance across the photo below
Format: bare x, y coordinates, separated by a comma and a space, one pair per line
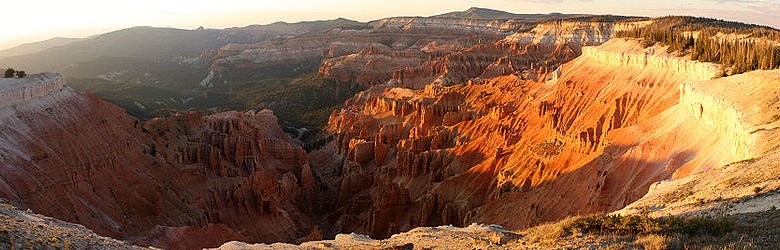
739, 113
231, 176
518, 151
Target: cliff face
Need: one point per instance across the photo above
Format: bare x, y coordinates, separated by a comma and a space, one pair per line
741, 112
562, 32
450, 25
745, 119
514, 151
232, 176
621, 54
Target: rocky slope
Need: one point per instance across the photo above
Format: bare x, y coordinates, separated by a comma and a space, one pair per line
479, 150
233, 175
25, 230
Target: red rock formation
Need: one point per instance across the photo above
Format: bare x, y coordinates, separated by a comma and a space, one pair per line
229, 175
511, 150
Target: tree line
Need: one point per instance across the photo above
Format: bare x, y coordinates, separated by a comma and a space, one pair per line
738, 47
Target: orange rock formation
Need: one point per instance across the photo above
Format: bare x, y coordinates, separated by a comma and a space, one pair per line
513, 151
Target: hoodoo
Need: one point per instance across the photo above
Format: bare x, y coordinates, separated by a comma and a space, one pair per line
470, 152
63, 154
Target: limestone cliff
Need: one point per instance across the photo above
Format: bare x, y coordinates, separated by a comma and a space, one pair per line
573, 31
13, 91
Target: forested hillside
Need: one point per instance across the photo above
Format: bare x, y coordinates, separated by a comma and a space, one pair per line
738, 47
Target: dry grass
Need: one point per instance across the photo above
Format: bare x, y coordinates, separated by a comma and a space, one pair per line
653, 242
548, 234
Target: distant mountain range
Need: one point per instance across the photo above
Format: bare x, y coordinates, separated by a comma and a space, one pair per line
35, 47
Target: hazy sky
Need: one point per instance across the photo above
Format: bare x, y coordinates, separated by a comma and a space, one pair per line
35, 20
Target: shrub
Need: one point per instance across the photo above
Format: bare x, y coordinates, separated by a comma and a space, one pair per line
9, 73
614, 224
692, 226
642, 225
21, 74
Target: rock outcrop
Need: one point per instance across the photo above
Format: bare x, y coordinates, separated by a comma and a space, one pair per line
232, 176
13, 91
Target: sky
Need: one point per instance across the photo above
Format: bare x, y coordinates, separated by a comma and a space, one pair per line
44, 19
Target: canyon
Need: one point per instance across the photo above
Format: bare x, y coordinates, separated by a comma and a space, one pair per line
64, 152
464, 119
474, 151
